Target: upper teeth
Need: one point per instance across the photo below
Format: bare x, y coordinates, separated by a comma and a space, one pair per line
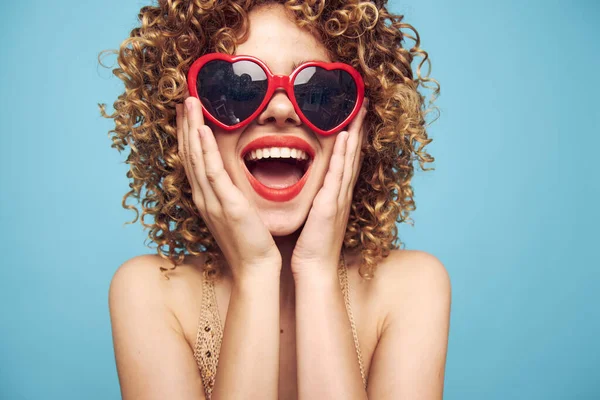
276, 152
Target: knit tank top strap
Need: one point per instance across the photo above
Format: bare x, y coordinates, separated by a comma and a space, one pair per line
209, 337
343, 277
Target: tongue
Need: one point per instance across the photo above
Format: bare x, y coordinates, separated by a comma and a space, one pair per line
276, 174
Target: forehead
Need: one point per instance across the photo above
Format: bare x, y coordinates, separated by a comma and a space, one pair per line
279, 42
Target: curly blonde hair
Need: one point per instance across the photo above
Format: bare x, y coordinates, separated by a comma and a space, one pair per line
153, 63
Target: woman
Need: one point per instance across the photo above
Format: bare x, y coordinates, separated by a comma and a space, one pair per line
284, 187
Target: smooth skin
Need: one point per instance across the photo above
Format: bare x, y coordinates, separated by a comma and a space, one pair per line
280, 275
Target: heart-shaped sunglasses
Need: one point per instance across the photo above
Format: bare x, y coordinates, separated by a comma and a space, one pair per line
234, 90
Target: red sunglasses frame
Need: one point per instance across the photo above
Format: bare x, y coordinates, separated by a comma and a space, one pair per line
275, 82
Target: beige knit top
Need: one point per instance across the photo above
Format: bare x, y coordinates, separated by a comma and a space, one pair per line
210, 331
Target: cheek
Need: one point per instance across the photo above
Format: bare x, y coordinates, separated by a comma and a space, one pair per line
226, 140
327, 145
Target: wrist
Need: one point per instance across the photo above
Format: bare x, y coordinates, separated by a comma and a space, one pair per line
257, 283
316, 276
258, 273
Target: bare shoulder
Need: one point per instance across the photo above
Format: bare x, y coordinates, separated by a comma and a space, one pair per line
136, 281
152, 282
413, 267
152, 276
140, 273
412, 280
410, 356
149, 265
416, 265
148, 336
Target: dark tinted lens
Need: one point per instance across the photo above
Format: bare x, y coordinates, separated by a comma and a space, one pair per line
326, 98
231, 92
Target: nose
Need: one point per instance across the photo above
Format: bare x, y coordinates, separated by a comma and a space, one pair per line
280, 111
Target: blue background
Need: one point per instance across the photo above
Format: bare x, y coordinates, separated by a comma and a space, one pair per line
511, 209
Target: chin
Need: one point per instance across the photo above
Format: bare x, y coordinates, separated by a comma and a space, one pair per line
283, 222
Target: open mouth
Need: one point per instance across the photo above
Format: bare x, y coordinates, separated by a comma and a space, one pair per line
275, 174
277, 171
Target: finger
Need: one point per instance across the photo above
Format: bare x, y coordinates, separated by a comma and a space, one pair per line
179, 126
355, 141
186, 148
356, 169
224, 189
197, 163
182, 143
333, 179
195, 117
358, 159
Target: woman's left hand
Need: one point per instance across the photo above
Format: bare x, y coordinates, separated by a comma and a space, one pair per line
320, 243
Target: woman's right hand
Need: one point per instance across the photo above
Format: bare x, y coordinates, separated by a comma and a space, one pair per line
245, 241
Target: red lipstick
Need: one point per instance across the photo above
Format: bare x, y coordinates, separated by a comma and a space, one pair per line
269, 193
